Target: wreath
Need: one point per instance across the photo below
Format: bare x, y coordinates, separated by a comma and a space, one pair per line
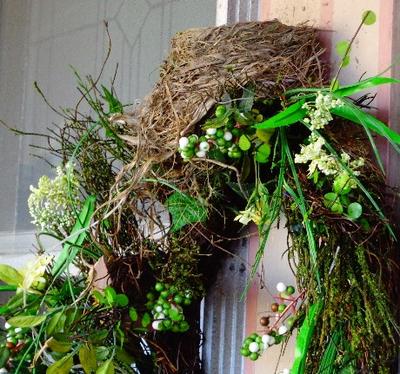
241, 127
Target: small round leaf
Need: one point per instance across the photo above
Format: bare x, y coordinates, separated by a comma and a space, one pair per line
354, 210
369, 17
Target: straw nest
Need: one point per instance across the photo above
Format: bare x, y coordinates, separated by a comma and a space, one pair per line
202, 66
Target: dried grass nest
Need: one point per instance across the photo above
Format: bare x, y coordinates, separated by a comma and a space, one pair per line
204, 64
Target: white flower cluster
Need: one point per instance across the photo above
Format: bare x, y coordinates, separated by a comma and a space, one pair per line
51, 203
319, 114
33, 273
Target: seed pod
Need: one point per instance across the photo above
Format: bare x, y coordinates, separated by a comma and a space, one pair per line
264, 321
274, 307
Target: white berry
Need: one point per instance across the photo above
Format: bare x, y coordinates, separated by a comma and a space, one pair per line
211, 131
3, 371
183, 142
285, 371
7, 325
156, 325
282, 330
201, 154
281, 287
158, 308
228, 136
254, 347
268, 339
204, 146
18, 330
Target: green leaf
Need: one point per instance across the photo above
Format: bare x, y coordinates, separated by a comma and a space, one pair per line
10, 275
56, 323
332, 202
99, 336
62, 366
244, 143
292, 114
87, 358
59, 346
368, 17
304, 338
364, 85
15, 302
356, 115
110, 294
4, 355
106, 368
124, 356
133, 314
102, 353
98, 296
185, 210
7, 288
76, 238
354, 211
326, 365
146, 319
122, 300
114, 105
262, 153
26, 321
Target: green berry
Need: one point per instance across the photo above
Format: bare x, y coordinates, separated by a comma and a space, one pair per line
220, 111
254, 356
220, 133
159, 286
221, 142
193, 139
178, 299
187, 301
164, 294
202, 139
245, 352
167, 324
150, 296
236, 154
290, 290
184, 326
281, 308
236, 132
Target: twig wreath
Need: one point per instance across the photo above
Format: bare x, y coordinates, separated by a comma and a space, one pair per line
240, 128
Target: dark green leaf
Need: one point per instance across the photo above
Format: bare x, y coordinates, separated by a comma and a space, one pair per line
124, 356
4, 355
262, 153
304, 338
363, 85
99, 336
133, 314
122, 300
185, 210
244, 143
354, 210
26, 321
12, 304
87, 358
77, 237
10, 275
102, 353
356, 115
7, 287
292, 114
106, 368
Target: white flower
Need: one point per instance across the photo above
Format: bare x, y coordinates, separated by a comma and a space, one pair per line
34, 271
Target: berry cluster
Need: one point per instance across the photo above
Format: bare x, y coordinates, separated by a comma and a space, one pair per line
230, 133
14, 349
166, 308
284, 315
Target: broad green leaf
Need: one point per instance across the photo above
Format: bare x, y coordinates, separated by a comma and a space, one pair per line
106, 368
368, 17
364, 85
244, 143
62, 366
26, 321
354, 210
185, 210
133, 314
292, 114
59, 346
124, 356
110, 295
87, 358
13, 303
122, 300
76, 238
326, 365
56, 323
72, 315
146, 319
98, 296
341, 48
304, 337
358, 116
10, 275
332, 202
99, 336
